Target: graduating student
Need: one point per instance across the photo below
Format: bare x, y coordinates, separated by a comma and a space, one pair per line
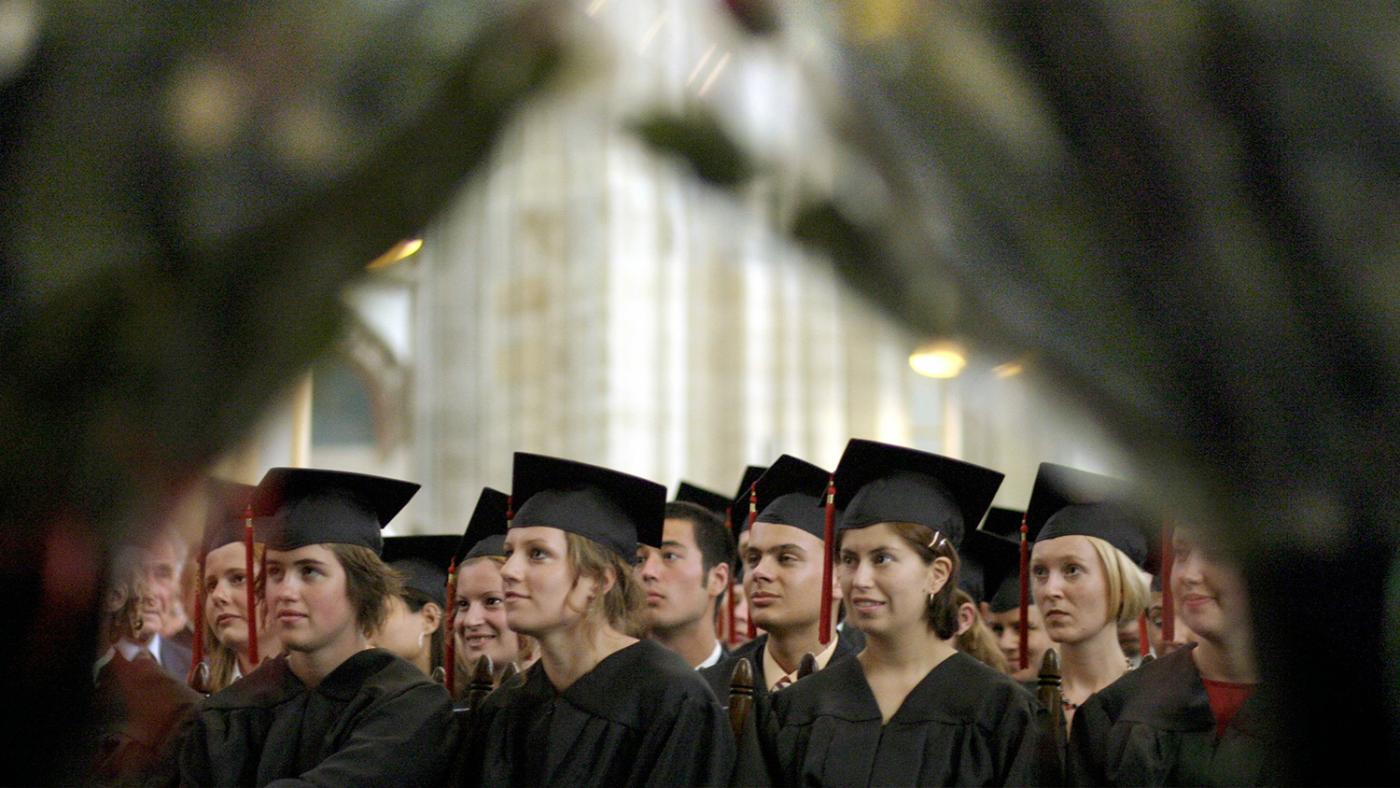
909, 709
738, 628
479, 612
784, 563
685, 580
331, 710
1086, 572
1002, 608
413, 627
1190, 717
600, 707
983, 558
228, 628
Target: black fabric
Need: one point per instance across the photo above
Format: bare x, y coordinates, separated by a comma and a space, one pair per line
963, 724
1008, 594
486, 530
987, 559
1069, 502
706, 499
375, 720
307, 506
791, 492
882, 483
226, 504
422, 560
614, 509
1154, 726
1001, 569
640, 717
739, 506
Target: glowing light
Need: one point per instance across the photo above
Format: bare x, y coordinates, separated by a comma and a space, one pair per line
1008, 370
398, 252
938, 360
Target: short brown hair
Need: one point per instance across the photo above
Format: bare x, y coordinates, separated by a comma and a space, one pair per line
620, 605
368, 583
941, 612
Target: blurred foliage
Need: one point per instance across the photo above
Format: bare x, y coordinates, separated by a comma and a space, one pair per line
696, 138
187, 189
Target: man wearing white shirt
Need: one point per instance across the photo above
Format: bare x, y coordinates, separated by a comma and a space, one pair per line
160, 562
685, 579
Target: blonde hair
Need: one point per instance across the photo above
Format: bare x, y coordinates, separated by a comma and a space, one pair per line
223, 659
621, 604
1128, 591
977, 642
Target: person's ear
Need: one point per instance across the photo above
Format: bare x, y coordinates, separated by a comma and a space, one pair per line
967, 616
431, 616
717, 581
938, 574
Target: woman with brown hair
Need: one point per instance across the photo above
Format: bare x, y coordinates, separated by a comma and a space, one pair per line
332, 710
909, 708
601, 707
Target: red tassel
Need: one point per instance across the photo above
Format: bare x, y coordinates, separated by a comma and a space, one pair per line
1024, 648
197, 647
1168, 608
248, 585
449, 640
1144, 645
753, 515
730, 603
828, 543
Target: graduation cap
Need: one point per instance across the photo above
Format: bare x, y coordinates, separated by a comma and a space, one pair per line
791, 493
314, 506
989, 561
705, 499
1001, 581
225, 512
882, 483
422, 560
486, 530
1070, 502
612, 508
738, 518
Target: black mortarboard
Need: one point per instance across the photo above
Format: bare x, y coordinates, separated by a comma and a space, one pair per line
226, 504
612, 508
739, 507
1002, 582
308, 506
486, 530
422, 560
711, 501
881, 483
987, 560
791, 492
1070, 502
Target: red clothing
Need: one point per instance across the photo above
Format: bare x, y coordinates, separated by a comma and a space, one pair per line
1225, 700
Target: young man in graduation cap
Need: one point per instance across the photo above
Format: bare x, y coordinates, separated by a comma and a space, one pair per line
685, 579
600, 707
413, 627
331, 710
1002, 609
786, 574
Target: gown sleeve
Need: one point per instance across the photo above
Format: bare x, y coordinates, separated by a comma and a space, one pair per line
405, 741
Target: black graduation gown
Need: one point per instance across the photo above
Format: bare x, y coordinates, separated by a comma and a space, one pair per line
1154, 726
375, 720
963, 724
641, 717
